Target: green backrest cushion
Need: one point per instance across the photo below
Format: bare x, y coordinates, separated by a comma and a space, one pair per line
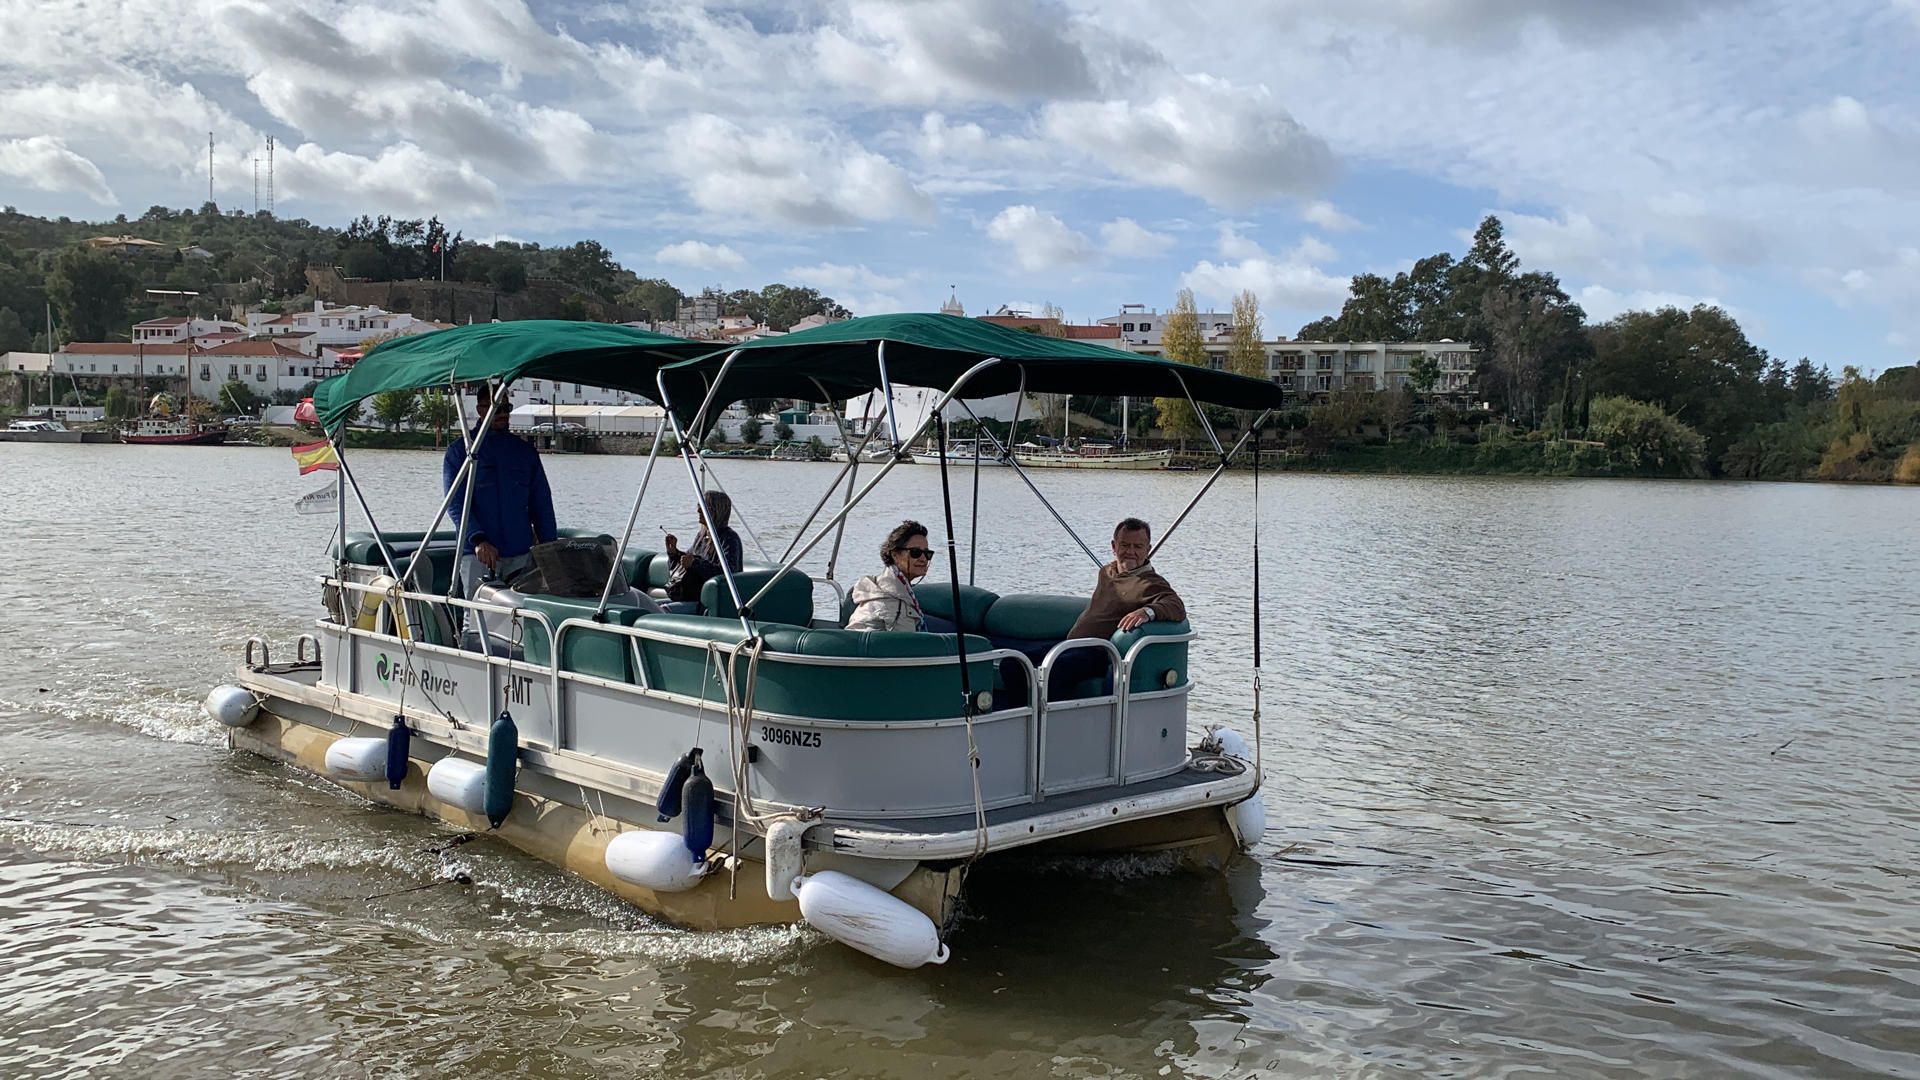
589, 652
791, 600
936, 598
1033, 616
828, 692
1154, 661
634, 566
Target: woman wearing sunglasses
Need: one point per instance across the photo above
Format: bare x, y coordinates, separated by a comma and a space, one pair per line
885, 601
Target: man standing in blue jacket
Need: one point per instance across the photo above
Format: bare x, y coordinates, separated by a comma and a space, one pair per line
512, 504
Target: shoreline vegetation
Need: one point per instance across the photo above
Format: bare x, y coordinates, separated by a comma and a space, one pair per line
1665, 393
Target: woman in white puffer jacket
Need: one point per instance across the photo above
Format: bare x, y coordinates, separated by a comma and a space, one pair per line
885, 601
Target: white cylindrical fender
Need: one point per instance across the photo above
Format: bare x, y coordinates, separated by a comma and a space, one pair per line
232, 705
785, 858
363, 760
877, 923
653, 860
1232, 743
459, 782
1249, 820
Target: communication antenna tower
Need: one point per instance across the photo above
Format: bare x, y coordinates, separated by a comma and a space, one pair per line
269, 176
209, 166
256, 184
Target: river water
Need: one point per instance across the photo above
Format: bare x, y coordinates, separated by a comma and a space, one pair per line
1567, 777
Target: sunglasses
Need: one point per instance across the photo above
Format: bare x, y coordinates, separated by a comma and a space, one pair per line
920, 553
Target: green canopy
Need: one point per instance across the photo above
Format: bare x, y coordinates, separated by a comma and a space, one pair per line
933, 351
597, 354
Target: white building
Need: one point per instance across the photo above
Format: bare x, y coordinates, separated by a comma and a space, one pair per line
109, 359
1312, 367
341, 326
182, 328
28, 363
1140, 326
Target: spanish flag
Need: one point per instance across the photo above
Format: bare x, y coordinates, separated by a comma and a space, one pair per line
313, 457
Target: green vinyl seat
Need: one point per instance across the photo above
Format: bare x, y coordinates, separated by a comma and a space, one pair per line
834, 692
588, 651
1150, 668
790, 600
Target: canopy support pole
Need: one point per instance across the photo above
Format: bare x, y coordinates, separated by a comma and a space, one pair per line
693, 476
345, 479
853, 471
1015, 464
1218, 469
463, 477
613, 574
839, 516
886, 387
1201, 415
973, 530
853, 460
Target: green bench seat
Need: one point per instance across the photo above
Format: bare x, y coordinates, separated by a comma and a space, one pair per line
833, 692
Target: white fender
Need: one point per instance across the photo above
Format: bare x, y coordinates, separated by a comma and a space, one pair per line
653, 860
232, 706
785, 858
459, 782
1249, 820
363, 760
1232, 743
860, 916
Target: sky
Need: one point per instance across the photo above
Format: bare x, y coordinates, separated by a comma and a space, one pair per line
1762, 156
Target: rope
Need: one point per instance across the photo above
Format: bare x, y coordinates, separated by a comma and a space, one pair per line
960, 637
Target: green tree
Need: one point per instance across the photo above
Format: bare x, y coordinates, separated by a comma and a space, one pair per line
1244, 354
395, 407
1181, 342
782, 431
90, 290
589, 267
13, 335
1423, 375
656, 299
1697, 365
751, 429
236, 395
509, 275
1646, 438
120, 404
438, 411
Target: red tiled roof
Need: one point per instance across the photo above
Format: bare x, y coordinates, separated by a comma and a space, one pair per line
252, 348
127, 348
1071, 330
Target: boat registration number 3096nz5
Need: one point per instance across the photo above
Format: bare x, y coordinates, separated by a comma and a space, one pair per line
779, 736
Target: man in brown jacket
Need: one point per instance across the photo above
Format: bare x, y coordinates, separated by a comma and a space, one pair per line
1128, 592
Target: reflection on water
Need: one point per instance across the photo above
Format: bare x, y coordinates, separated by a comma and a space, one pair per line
1583, 778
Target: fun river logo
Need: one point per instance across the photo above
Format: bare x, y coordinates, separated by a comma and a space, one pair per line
389, 672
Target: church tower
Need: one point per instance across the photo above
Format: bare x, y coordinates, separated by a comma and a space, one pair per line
953, 305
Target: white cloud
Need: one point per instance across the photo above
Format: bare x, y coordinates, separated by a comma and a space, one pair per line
1327, 216
404, 179
701, 256
1601, 303
1228, 144
1039, 240
1000, 50
838, 278
782, 174
1288, 281
45, 162
1126, 238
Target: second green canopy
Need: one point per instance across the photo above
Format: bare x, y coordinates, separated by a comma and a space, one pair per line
839, 361
594, 354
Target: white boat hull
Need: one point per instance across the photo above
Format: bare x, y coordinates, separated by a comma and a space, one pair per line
1150, 459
